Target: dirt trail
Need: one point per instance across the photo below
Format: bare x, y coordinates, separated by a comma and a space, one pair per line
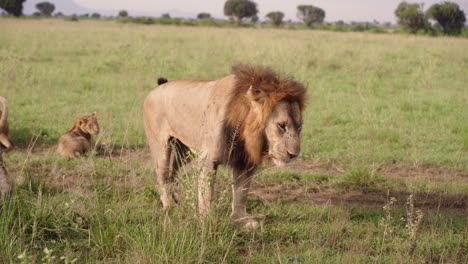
331, 196
328, 195
398, 171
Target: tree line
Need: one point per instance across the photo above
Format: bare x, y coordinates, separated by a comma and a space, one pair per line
446, 17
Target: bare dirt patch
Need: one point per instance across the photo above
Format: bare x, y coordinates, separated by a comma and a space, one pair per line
332, 196
297, 192
424, 172
416, 172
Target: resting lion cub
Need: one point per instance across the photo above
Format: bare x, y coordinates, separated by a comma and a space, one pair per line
77, 141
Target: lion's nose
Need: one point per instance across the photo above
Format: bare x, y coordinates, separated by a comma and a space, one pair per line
291, 155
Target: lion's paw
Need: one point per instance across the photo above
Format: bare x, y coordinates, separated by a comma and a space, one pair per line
252, 224
247, 223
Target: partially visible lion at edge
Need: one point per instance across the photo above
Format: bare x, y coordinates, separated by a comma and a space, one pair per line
240, 120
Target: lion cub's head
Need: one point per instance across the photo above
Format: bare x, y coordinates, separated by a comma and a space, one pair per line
87, 124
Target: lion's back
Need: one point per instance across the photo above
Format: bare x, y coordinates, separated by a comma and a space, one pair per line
191, 110
71, 145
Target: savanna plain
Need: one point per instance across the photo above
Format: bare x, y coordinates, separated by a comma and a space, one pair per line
382, 176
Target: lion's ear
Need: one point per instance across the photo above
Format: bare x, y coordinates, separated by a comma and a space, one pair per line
255, 94
80, 120
94, 114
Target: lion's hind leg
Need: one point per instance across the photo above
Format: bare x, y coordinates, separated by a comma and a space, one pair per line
160, 152
4, 186
179, 156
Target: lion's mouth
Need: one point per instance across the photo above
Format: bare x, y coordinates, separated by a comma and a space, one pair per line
277, 162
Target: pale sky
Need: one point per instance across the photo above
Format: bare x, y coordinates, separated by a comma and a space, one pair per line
347, 10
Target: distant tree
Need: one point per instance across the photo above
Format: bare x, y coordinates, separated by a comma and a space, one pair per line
203, 15
45, 8
12, 7
410, 16
239, 9
166, 15
84, 15
123, 13
310, 14
58, 14
96, 15
36, 14
254, 19
74, 18
449, 16
276, 17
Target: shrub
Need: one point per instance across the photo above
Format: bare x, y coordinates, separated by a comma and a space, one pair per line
203, 15
276, 17
240, 9
310, 14
123, 13
13, 7
45, 8
449, 16
411, 16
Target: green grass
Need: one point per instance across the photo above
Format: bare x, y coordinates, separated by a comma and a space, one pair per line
107, 211
373, 100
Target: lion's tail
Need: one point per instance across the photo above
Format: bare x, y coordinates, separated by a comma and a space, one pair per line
162, 81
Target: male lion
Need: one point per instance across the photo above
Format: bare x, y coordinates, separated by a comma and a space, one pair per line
77, 141
238, 121
5, 145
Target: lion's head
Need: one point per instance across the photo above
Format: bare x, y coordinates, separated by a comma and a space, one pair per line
87, 124
282, 132
267, 109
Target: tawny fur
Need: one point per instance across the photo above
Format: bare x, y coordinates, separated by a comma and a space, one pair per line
4, 185
5, 145
77, 141
233, 121
268, 88
4, 129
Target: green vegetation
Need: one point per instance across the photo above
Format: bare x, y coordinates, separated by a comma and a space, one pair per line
449, 16
367, 103
310, 14
13, 7
240, 9
123, 13
276, 17
411, 16
375, 102
45, 8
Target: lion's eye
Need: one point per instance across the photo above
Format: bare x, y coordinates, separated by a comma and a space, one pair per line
282, 127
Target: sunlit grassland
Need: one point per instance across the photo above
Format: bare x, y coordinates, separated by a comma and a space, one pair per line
373, 100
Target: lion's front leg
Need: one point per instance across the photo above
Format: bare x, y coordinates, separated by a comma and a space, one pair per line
206, 181
240, 191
